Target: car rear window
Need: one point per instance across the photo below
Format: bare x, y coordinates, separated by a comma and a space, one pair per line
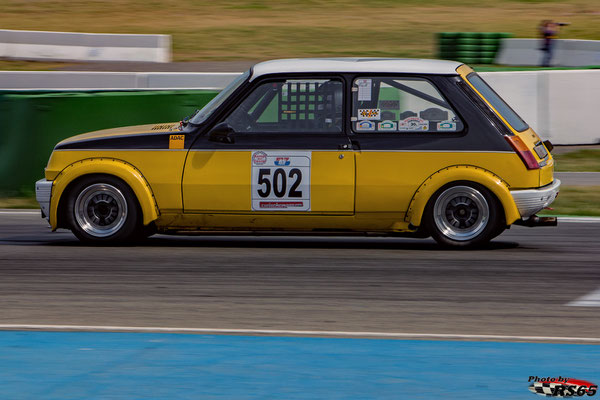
401, 105
496, 101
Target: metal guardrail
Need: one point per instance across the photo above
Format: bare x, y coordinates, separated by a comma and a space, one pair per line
89, 80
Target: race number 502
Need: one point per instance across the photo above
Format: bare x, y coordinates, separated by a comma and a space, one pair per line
281, 181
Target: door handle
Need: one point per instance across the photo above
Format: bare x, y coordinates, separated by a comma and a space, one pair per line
344, 147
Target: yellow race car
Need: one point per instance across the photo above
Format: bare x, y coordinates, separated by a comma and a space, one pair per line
381, 146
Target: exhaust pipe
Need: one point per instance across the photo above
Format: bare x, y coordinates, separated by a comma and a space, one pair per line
535, 221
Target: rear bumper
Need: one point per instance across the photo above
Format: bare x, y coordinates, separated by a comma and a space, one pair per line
43, 194
531, 201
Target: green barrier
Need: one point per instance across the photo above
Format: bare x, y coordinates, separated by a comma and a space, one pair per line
32, 124
469, 47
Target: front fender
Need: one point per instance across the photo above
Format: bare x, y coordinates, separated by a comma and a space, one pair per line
454, 173
109, 166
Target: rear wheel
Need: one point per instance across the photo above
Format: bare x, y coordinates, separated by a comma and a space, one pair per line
463, 214
103, 209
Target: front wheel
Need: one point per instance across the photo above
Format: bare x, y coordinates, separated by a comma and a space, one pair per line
103, 209
463, 214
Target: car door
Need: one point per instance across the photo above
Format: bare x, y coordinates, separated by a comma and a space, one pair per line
287, 152
407, 130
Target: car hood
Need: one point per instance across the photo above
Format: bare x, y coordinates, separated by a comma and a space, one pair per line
143, 137
126, 131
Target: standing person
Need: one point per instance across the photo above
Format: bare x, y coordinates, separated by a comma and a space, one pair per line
548, 31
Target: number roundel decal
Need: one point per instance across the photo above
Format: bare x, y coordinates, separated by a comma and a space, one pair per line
281, 180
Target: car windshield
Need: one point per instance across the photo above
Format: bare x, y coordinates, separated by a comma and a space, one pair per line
212, 105
496, 101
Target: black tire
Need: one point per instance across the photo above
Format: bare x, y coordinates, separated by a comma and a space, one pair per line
103, 209
145, 231
463, 214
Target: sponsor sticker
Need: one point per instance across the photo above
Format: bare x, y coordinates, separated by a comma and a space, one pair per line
413, 124
281, 204
364, 89
369, 113
446, 126
365, 126
163, 127
259, 158
387, 126
282, 161
281, 180
176, 141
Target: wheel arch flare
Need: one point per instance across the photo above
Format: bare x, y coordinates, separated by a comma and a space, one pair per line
444, 176
105, 166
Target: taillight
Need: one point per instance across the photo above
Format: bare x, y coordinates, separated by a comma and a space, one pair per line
523, 151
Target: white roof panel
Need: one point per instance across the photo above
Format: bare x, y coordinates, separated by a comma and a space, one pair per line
381, 65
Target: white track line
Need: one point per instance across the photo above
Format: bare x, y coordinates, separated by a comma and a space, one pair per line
94, 328
581, 220
20, 212
592, 299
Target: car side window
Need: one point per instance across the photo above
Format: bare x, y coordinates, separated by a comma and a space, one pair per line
291, 106
401, 105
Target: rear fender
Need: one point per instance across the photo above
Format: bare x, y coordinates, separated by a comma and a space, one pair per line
109, 166
454, 173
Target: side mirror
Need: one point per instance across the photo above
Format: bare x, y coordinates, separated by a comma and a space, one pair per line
221, 133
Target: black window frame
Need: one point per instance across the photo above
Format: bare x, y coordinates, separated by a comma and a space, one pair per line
494, 108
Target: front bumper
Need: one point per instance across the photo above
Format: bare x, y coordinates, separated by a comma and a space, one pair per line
530, 201
43, 194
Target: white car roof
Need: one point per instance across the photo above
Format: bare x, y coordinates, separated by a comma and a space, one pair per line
381, 65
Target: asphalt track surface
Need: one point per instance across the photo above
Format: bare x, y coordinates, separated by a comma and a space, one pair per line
579, 178
519, 285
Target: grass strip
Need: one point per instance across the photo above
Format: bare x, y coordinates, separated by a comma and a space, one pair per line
18, 202
576, 200
266, 29
585, 160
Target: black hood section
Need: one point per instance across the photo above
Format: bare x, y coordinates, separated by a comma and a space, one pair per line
144, 141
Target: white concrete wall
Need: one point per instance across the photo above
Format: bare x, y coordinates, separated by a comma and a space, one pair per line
573, 106
72, 46
563, 106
